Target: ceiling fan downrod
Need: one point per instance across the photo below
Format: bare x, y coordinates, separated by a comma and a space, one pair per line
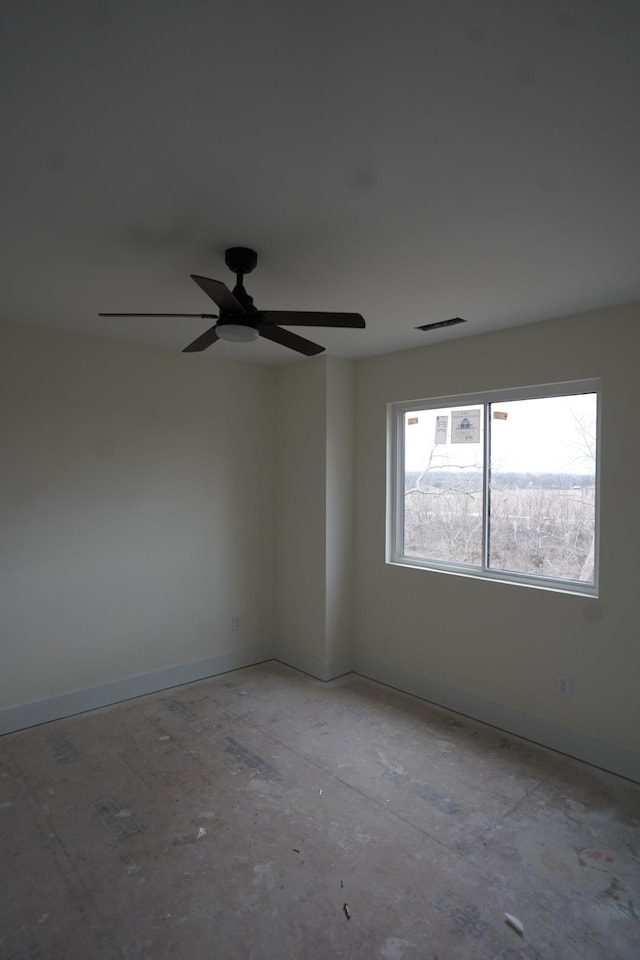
241, 260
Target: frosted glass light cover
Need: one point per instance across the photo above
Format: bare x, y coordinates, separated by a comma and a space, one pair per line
236, 332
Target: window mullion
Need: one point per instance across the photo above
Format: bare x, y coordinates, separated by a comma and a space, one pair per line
486, 487
399, 481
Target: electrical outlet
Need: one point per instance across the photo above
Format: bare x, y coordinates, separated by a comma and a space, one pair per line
563, 685
235, 622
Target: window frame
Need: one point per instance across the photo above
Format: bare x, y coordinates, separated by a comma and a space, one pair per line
396, 412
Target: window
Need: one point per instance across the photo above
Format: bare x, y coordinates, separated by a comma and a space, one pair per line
501, 485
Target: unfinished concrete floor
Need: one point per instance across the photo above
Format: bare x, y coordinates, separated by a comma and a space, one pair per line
234, 818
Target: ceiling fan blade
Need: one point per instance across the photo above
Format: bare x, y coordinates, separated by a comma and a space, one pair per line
288, 339
203, 341
312, 318
220, 294
201, 316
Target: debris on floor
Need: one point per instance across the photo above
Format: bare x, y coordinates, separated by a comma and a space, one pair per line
105, 811
515, 923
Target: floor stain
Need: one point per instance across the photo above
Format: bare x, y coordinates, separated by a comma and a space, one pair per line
259, 766
119, 822
418, 789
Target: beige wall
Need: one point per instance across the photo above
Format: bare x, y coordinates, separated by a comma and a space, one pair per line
300, 545
479, 643
136, 511
340, 527
314, 542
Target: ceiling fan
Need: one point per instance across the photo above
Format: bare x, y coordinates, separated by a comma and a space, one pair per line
239, 321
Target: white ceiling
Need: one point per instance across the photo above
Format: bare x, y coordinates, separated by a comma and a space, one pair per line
412, 160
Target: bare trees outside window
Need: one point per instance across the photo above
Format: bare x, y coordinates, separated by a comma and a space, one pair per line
503, 486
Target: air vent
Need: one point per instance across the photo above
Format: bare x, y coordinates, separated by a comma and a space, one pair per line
442, 323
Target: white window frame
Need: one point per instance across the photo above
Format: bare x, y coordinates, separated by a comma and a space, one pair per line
396, 412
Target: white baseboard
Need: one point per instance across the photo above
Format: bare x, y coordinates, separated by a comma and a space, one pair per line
321, 669
572, 743
607, 756
126, 688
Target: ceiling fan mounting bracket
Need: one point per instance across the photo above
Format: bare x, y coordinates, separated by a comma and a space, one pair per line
240, 260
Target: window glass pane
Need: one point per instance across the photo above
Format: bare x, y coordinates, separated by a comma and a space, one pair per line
542, 486
443, 466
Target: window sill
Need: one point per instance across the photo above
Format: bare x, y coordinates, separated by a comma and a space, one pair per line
570, 588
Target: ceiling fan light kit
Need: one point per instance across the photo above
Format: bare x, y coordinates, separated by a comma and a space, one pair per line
236, 332
241, 322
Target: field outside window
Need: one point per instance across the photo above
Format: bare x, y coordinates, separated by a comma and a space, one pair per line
504, 486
